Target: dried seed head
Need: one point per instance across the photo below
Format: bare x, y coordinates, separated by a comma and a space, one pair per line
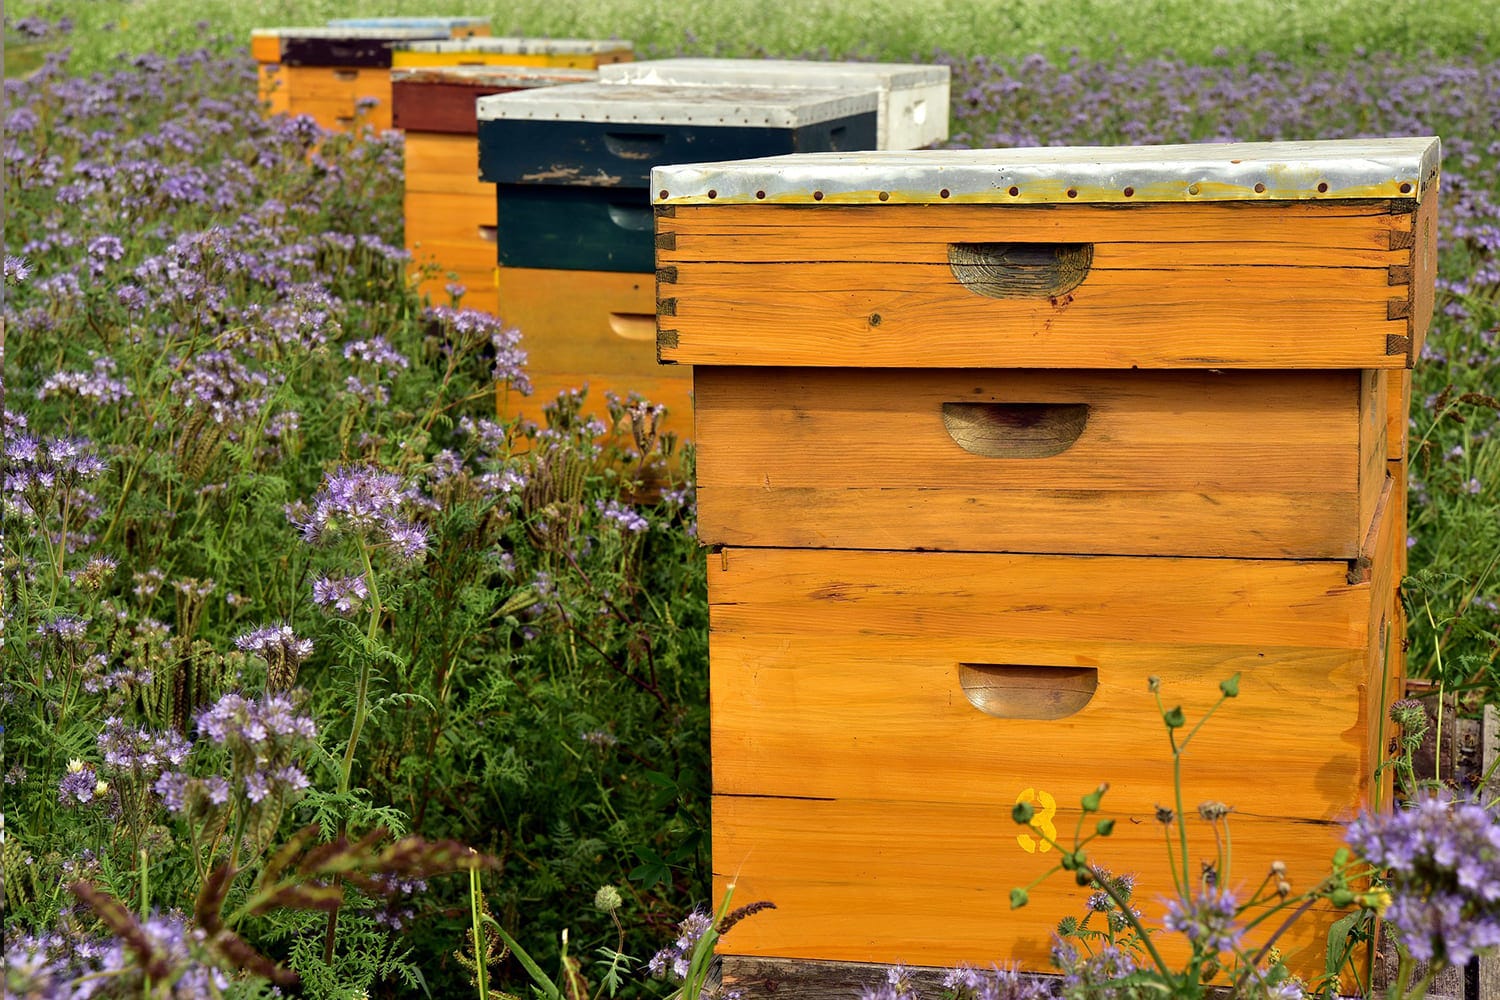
1213, 811
1165, 816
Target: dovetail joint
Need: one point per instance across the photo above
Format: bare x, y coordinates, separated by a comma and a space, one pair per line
1403, 240
666, 241
1398, 309
1403, 206
666, 339
1395, 343
1400, 274
666, 307
1359, 570
666, 275
666, 211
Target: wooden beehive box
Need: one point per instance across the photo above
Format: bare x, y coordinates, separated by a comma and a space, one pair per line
986, 438
450, 213
556, 53
572, 167
454, 27
338, 76
913, 110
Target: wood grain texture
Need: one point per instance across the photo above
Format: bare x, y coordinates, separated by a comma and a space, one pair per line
1248, 464
451, 217
330, 94
270, 86
673, 393
1372, 401
1167, 286
1424, 269
898, 315
446, 164
837, 674
928, 884
1401, 505
438, 107
600, 322
1398, 417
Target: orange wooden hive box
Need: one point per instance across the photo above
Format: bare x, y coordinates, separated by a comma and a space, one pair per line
450, 213
340, 76
986, 438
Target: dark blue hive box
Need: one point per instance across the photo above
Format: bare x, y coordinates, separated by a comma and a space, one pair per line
573, 163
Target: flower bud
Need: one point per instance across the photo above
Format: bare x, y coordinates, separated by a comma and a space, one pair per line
607, 899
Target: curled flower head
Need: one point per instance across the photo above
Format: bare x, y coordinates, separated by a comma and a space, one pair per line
364, 502
282, 650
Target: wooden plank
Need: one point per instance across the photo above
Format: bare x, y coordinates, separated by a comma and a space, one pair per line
1168, 463
1301, 233
599, 322
666, 388
914, 596
460, 217
928, 884
1374, 412
271, 86
893, 315
446, 164
1424, 269
544, 227
833, 672
440, 108
1400, 500
477, 57
475, 255
1398, 417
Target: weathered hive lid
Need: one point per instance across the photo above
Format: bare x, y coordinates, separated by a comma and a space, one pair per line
444, 23
853, 75
1269, 171
521, 46
330, 33
492, 76
662, 104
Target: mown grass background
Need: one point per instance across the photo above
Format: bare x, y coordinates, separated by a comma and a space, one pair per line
1193, 30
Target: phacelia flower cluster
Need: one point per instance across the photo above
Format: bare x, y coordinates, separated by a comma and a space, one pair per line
367, 503
1442, 855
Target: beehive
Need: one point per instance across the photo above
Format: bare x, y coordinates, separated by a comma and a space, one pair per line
450, 214
555, 53
913, 109
338, 76
575, 229
986, 438
455, 27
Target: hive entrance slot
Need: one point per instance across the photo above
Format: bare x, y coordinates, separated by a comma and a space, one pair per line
1021, 691
634, 145
1015, 430
1020, 270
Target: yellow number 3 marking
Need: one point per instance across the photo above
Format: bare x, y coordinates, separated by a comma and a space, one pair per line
1046, 808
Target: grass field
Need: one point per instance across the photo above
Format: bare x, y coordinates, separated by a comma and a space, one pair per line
877, 29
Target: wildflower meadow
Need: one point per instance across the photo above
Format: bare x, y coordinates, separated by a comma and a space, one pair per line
320, 679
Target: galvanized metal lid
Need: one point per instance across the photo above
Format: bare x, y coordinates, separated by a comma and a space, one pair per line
522, 46
448, 23
661, 104
785, 72
1270, 171
493, 76
392, 34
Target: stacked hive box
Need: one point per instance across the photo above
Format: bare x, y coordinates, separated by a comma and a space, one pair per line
913, 110
986, 439
572, 167
453, 27
328, 72
553, 53
450, 213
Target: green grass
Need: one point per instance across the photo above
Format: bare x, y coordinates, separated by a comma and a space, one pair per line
883, 29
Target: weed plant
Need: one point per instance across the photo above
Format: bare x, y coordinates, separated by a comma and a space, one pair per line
271, 563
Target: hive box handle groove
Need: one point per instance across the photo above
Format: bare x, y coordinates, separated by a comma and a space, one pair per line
633, 326
634, 145
490, 234
1020, 691
636, 218
1015, 430
1020, 270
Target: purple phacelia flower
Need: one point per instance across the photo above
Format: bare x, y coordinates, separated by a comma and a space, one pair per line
344, 594
78, 786
1442, 857
628, 518
1208, 920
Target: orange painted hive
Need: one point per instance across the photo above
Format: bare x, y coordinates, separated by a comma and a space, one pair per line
987, 438
339, 76
449, 213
